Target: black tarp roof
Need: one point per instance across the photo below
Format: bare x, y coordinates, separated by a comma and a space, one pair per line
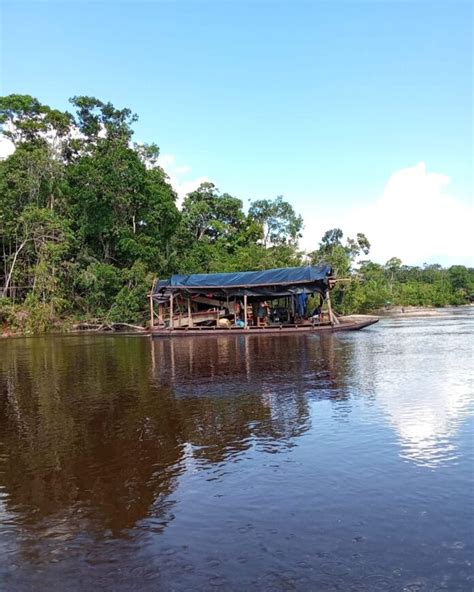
268, 282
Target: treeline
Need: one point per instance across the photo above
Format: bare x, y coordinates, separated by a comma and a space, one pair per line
375, 286
88, 219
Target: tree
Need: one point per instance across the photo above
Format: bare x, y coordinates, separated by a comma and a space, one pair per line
461, 278
341, 257
30, 180
209, 215
42, 239
95, 119
212, 227
280, 224
24, 119
392, 269
106, 187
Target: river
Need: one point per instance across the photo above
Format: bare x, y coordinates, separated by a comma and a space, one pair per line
283, 463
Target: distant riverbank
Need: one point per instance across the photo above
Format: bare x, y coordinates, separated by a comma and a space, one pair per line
418, 311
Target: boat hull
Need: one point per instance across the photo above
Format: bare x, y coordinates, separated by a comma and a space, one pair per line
354, 323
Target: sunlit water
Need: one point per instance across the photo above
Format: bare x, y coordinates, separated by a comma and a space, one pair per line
281, 463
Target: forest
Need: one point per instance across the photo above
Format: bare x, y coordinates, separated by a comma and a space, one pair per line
88, 219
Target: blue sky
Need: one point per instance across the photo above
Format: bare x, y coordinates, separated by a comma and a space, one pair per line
319, 101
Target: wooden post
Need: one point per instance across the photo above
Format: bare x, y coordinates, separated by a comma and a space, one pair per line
190, 315
245, 312
153, 359
332, 317
160, 315
171, 310
152, 313
172, 360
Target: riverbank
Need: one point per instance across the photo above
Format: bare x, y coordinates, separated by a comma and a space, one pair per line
419, 311
38, 319
71, 326
22, 326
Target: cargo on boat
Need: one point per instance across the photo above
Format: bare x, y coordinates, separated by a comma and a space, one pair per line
293, 299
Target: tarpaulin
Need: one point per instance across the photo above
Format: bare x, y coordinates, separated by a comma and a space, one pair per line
241, 279
268, 282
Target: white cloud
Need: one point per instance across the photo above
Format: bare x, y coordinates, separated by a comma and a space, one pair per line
415, 219
179, 176
6, 147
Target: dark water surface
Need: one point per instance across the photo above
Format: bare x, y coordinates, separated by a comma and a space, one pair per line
292, 463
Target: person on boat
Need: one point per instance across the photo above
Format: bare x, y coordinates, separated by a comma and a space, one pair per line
238, 309
301, 301
262, 313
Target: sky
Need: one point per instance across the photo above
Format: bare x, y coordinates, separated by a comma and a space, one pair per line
358, 112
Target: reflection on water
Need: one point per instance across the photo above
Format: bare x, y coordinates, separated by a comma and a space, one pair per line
336, 462
420, 375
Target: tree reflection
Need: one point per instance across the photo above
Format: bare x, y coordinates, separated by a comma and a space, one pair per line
100, 429
81, 428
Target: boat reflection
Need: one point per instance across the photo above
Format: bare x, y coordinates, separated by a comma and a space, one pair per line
246, 387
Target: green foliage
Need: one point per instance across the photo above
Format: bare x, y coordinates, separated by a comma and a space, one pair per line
25, 119
376, 286
341, 257
211, 216
96, 287
280, 224
128, 305
39, 317
88, 220
94, 117
31, 317
8, 314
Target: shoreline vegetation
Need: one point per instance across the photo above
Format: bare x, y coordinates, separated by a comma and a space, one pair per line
88, 219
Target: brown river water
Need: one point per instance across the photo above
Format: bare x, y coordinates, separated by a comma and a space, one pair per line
269, 463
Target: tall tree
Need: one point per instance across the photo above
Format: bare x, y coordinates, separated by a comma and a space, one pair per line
340, 256
95, 119
280, 224
24, 119
209, 215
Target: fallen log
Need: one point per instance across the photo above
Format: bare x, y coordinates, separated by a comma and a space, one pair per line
84, 326
97, 327
122, 326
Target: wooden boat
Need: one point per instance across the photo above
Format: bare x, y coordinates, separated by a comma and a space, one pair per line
349, 323
196, 304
